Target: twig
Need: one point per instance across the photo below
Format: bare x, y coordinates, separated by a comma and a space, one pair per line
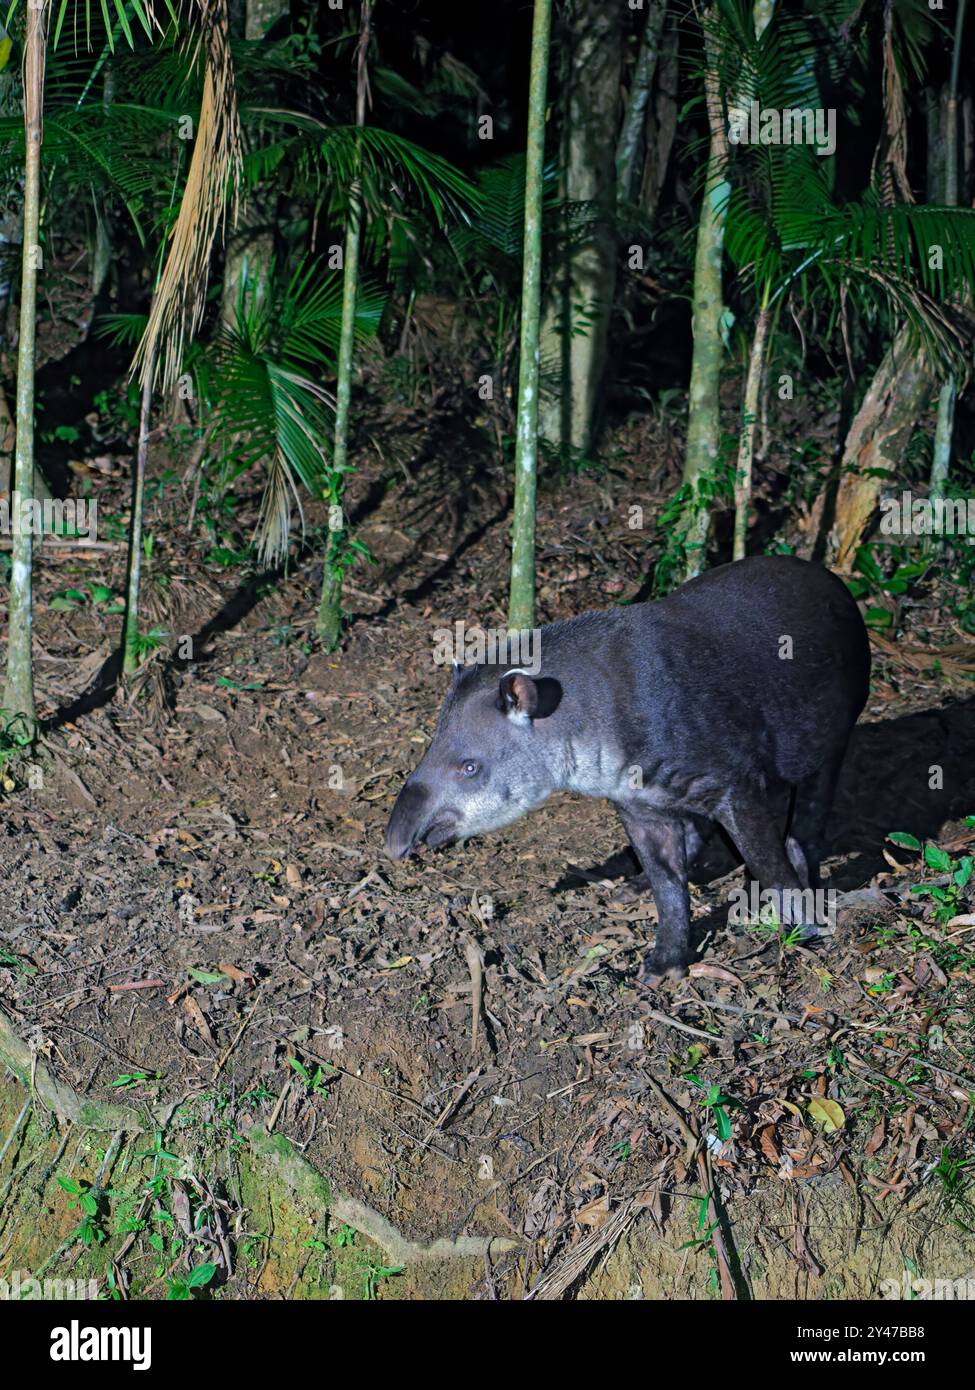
475, 965
17, 1123
240, 1033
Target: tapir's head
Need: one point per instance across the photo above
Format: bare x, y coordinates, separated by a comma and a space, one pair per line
490, 760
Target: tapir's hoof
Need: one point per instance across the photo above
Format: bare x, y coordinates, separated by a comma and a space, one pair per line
654, 971
631, 890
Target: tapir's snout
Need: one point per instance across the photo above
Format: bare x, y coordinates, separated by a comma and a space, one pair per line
417, 820
406, 821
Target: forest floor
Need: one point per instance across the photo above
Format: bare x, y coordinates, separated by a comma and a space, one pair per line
198, 914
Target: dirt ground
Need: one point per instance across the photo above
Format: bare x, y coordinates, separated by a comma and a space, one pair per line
197, 912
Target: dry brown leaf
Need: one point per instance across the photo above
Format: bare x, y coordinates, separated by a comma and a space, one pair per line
195, 1015
877, 1138
768, 1146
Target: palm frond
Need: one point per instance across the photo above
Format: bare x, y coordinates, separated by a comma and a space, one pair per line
260, 385
214, 175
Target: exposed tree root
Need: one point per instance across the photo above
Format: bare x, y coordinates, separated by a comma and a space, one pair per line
296, 1172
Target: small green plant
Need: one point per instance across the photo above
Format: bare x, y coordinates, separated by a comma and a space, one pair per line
374, 1273
767, 924
344, 1237
946, 897
18, 734
717, 1102
954, 1175
180, 1290
84, 1199
676, 520
23, 967
145, 643
314, 1084
704, 1240
869, 581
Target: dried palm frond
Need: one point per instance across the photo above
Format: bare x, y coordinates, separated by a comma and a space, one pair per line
213, 181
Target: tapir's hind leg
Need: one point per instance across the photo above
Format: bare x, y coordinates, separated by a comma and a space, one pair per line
758, 838
806, 841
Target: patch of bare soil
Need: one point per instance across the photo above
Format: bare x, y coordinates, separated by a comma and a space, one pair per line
197, 910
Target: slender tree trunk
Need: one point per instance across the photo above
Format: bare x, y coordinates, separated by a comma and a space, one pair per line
521, 601
935, 163
250, 251
101, 259
636, 109
875, 444
746, 440
329, 625
576, 324
941, 458
130, 637
19, 693
707, 321
661, 126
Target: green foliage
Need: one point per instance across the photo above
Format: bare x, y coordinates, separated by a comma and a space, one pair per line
85, 1200
17, 736
260, 385
870, 582
955, 875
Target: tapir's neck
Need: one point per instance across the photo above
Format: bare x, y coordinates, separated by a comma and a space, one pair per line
587, 762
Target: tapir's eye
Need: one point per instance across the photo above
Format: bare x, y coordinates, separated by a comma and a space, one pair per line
470, 768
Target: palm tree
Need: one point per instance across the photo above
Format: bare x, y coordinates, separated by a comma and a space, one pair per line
177, 306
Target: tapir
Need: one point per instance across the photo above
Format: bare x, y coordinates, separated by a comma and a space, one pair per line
724, 702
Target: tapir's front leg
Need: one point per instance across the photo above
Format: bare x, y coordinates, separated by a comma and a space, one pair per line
659, 842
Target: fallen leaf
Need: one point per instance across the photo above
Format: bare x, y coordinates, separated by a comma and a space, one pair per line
195, 1014
827, 1113
877, 1138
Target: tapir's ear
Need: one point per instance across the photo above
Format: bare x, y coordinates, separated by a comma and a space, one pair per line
523, 698
519, 695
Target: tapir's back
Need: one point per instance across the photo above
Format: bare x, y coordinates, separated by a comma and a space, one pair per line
770, 651
761, 662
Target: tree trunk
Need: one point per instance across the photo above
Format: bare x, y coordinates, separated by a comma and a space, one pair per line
875, 444
746, 440
19, 693
661, 124
521, 599
575, 331
641, 86
101, 258
707, 322
941, 459
329, 625
250, 250
130, 632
